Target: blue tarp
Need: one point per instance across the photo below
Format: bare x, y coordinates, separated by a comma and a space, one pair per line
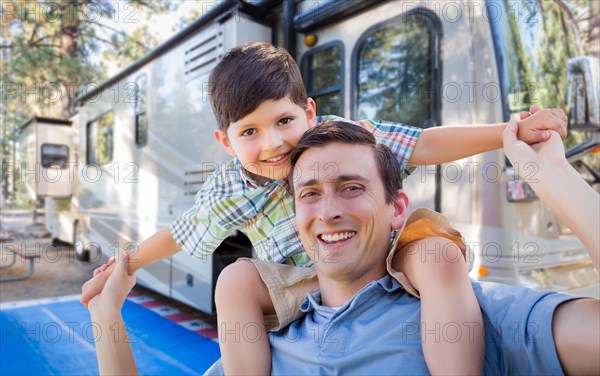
57, 339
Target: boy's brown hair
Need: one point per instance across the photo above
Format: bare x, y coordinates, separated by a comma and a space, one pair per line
250, 74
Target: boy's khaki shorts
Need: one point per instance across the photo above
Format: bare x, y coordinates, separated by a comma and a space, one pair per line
288, 285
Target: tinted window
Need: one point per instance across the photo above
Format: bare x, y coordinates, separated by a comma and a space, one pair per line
323, 75
535, 40
54, 155
534, 46
394, 73
100, 139
141, 119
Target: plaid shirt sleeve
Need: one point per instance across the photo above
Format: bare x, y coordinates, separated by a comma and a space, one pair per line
400, 138
203, 227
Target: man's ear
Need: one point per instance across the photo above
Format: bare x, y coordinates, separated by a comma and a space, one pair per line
400, 210
311, 112
224, 141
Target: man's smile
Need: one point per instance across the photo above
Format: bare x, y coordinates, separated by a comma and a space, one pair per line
336, 237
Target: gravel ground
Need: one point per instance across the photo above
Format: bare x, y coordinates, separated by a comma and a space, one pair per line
58, 272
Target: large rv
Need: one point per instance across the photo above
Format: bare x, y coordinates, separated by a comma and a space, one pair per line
144, 138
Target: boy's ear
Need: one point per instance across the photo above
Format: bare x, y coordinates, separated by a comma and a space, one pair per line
311, 112
400, 210
224, 141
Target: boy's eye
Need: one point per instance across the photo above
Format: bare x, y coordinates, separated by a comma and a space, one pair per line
249, 132
285, 121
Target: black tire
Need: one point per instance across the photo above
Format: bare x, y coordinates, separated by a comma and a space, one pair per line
79, 243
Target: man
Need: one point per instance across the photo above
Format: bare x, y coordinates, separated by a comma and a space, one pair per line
348, 198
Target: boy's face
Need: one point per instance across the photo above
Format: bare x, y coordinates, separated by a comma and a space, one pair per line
264, 139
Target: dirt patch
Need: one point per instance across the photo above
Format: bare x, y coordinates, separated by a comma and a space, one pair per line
57, 272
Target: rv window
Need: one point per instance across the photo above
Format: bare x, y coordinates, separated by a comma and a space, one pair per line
394, 74
100, 139
322, 71
141, 129
141, 119
54, 155
534, 46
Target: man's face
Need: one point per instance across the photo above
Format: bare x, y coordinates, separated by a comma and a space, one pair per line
342, 216
264, 139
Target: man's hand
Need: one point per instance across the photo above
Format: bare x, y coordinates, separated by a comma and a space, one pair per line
95, 285
535, 126
118, 285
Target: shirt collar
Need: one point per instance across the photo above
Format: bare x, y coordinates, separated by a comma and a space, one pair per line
313, 301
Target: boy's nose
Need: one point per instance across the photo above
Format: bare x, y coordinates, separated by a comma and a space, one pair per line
272, 140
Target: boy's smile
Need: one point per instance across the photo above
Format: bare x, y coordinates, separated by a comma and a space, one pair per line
264, 139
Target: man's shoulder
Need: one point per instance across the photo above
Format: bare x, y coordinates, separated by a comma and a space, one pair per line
517, 305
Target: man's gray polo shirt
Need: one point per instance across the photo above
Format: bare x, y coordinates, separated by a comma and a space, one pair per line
377, 332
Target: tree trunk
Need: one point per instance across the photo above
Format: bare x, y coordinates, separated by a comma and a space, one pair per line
69, 49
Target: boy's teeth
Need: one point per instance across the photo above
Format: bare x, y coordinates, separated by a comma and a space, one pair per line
337, 237
275, 159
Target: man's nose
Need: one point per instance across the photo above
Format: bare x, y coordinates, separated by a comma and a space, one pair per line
330, 209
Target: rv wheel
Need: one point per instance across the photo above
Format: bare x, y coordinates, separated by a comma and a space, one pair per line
82, 252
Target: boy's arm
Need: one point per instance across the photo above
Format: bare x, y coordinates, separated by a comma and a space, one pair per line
157, 247
450, 143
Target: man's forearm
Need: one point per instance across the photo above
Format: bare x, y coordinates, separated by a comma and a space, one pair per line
561, 187
113, 349
450, 143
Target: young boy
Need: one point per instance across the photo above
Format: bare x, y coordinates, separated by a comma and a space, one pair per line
262, 109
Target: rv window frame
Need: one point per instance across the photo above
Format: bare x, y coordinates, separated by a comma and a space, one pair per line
305, 69
139, 112
433, 24
62, 165
88, 141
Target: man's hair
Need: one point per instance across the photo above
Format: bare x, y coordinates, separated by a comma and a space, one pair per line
352, 134
250, 74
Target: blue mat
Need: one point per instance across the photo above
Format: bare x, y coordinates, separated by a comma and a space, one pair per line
57, 339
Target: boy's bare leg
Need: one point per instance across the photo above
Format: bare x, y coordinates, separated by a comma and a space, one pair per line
242, 300
452, 329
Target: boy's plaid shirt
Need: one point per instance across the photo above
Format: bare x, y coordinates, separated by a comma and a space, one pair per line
231, 200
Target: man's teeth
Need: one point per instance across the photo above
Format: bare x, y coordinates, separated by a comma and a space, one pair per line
337, 237
275, 159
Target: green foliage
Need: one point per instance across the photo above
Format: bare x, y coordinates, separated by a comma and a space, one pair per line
49, 52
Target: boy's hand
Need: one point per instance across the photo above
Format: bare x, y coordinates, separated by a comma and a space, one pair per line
536, 127
551, 153
95, 285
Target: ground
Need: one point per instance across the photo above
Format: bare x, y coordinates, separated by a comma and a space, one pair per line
58, 272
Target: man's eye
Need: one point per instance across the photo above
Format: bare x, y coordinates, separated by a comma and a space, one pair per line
285, 121
249, 132
308, 194
353, 188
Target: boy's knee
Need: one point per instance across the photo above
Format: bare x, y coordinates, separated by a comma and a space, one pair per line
240, 276
440, 258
